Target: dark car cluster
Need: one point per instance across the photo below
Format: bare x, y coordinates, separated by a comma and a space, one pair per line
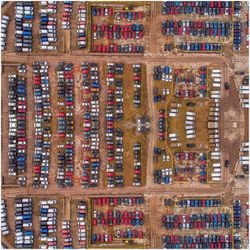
206, 8
81, 222
197, 242
17, 146
42, 125
91, 124
200, 47
117, 217
114, 137
199, 203
24, 234
128, 234
237, 214
196, 28
137, 164
101, 238
117, 31
237, 35
196, 221
128, 15
65, 155
24, 17
137, 85
118, 48
117, 201
162, 124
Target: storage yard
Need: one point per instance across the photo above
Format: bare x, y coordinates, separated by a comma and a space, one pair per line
125, 125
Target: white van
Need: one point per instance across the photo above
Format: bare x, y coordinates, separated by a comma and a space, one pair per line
190, 118
189, 132
190, 136
188, 113
216, 165
216, 85
173, 135
189, 122
171, 114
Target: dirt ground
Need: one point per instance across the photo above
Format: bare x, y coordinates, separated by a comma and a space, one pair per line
233, 126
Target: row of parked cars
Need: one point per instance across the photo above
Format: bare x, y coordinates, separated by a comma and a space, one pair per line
48, 25
205, 8
101, 238
203, 78
91, 124
137, 164
4, 219
114, 113
196, 28
116, 217
17, 147
137, 85
196, 221
48, 224
208, 241
101, 11
65, 95
24, 234
4, 29
66, 14
67, 235
82, 26
128, 15
200, 47
237, 214
190, 122
237, 35
117, 31
81, 223
162, 124
24, 16
117, 201
199, 203
128, 234
118, 48
42, 125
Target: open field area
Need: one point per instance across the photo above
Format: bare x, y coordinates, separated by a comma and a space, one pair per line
125, 125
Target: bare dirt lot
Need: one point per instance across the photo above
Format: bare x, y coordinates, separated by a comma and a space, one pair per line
233, 127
